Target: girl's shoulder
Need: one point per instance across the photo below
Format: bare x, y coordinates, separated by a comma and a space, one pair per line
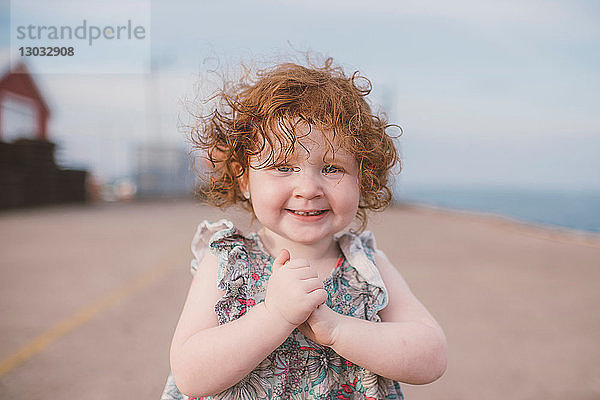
363, 279
243, 266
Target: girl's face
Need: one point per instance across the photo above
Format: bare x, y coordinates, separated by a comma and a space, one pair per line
309, 198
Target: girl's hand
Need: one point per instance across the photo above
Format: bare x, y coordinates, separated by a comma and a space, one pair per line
321, 326
294, 289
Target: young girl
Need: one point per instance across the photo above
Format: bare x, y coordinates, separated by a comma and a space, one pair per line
299, 310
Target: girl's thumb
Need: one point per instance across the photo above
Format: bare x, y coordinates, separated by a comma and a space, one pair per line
282, 258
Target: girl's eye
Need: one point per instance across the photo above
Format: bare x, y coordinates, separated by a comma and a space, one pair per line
331, 169
286, 168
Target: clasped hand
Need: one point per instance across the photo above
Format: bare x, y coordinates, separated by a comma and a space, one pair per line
296, 294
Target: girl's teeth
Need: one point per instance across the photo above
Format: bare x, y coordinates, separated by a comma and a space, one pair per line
308, 212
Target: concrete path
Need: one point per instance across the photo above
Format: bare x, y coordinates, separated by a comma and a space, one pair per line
89, 298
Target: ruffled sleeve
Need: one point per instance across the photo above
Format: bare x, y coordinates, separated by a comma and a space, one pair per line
205, 235
360, 251
233, 271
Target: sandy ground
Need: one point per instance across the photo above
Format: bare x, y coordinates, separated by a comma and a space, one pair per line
89, 298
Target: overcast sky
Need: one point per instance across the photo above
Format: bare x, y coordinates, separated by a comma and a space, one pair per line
488, 92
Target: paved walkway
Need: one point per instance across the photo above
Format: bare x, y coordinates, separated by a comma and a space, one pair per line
89, 297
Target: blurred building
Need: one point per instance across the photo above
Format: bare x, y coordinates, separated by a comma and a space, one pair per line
163, 170
28, 172
23, 111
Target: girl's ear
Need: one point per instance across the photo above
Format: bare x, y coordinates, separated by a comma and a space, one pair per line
241, 178
244, 185
245, 192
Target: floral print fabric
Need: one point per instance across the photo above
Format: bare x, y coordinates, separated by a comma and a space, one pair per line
299, 368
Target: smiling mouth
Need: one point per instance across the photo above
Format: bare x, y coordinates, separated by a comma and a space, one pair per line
307, 213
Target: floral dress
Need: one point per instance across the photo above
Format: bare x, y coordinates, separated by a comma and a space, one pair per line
299, 368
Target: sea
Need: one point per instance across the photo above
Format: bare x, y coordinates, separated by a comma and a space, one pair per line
574, 209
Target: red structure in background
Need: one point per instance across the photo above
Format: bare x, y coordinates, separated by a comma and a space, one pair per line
18, 84
29, 175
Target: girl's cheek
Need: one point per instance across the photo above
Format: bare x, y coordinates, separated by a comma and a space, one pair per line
267, 194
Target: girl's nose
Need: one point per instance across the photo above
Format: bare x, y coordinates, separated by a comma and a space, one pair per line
307, 186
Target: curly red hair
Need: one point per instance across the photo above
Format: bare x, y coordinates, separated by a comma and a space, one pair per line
262, 112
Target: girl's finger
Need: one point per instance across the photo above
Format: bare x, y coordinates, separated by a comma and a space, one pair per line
312, 284
319, 296
282, 258
305, 273
306, 330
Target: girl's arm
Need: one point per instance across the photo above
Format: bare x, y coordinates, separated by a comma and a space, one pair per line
207, 358
407, 346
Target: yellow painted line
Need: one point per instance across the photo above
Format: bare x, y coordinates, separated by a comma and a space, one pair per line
41, 342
